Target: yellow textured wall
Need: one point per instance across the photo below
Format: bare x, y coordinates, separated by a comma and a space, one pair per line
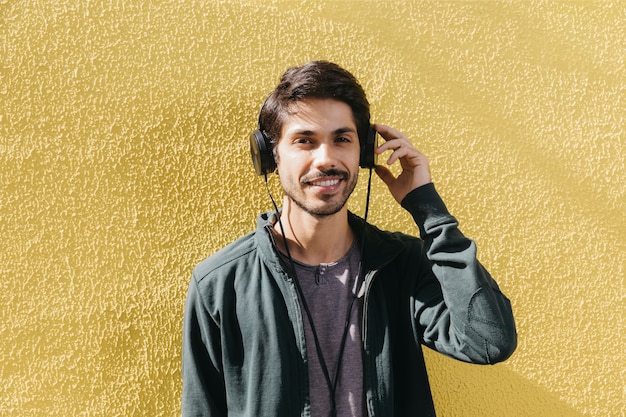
124, 162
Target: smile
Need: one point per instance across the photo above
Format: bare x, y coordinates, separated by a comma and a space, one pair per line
326, 183
329, 178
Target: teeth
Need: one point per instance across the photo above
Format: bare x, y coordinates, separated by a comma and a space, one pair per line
327, 183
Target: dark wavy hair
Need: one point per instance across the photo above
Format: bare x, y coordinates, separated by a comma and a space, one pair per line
315, 79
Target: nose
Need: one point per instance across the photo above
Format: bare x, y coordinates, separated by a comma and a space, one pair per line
324, 156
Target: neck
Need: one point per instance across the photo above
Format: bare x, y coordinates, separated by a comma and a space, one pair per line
314, 239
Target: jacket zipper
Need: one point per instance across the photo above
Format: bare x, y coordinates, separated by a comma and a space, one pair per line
368, 287
299, 325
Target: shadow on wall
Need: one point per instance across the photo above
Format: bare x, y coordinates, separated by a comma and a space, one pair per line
489, 391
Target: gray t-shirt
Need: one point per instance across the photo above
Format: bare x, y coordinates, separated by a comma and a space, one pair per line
328, 290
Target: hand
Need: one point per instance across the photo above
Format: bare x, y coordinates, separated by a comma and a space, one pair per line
415, 165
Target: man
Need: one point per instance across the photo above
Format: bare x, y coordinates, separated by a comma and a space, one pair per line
319, 313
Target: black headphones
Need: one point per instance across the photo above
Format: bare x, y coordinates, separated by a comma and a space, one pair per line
263, 156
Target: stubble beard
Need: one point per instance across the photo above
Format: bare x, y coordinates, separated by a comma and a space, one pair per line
324, 210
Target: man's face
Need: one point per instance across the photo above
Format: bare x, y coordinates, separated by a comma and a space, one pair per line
318, 155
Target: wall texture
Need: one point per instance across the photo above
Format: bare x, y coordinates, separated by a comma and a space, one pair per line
124, 162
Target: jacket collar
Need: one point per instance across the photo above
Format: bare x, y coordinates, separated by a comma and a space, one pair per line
380, 246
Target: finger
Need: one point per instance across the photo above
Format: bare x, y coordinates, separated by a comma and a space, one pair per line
388, 133
398, 144
393, 138
396, 155
401, 150
385, 174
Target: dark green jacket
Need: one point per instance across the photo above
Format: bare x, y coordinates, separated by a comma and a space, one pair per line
244, 352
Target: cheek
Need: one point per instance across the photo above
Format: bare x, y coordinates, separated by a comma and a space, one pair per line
355, 160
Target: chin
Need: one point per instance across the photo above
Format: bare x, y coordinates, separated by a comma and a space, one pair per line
322, 210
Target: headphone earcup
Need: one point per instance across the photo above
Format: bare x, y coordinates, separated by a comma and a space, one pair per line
368, 156
261, 153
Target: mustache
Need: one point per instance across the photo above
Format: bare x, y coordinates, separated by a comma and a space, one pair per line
323, 174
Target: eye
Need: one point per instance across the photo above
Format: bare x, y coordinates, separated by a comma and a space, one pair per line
344, 139
302, 140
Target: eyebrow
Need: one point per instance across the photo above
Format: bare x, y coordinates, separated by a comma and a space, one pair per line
344, 130
339, 131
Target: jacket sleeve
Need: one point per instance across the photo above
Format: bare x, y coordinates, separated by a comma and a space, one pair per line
458, 307
203, 386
